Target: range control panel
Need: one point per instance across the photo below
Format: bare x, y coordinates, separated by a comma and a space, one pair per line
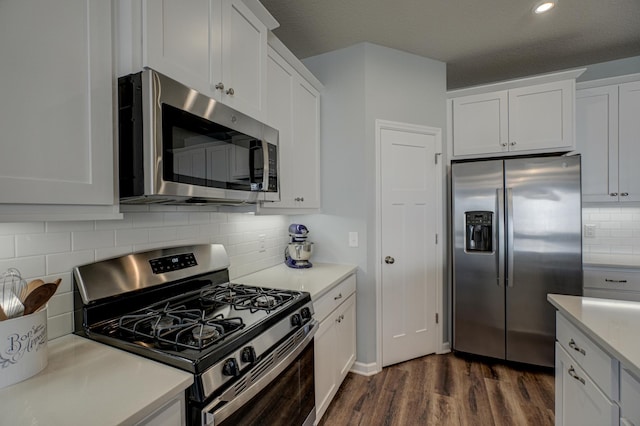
172, 263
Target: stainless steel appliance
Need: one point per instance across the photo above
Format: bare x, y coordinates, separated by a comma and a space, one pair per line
516, 228
299, 250
250, 349
178, 146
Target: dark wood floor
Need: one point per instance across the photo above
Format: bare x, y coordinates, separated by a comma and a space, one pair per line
451, 389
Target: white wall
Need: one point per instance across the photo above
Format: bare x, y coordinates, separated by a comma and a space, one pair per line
50, 250
363, 83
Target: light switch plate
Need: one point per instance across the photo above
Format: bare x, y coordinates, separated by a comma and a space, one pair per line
353, 239
589, 230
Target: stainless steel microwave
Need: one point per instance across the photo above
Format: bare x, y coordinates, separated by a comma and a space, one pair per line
178, 146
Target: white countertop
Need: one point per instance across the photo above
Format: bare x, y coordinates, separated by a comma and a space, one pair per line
611, 260
317, 280
88, 383
613, 324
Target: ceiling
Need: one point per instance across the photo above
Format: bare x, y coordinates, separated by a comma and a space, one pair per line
480, 40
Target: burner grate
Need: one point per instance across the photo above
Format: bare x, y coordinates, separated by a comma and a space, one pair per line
243, 297
180, 327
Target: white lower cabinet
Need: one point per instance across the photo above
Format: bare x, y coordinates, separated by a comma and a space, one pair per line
173, 413
629, 399
612, 283
335, 341
588, 382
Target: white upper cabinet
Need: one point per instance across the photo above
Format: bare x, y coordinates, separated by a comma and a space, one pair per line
515, 117
218, 47
56, 110
608, 137
480, 123
294, 110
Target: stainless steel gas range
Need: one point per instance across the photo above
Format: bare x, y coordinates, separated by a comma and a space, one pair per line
250, 349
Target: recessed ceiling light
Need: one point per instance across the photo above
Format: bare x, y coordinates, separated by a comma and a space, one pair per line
544, 6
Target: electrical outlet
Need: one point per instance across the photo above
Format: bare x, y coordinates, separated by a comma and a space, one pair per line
262, 246
589, 231
353, 239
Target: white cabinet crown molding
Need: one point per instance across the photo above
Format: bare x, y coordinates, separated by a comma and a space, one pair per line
607, 81
517, 83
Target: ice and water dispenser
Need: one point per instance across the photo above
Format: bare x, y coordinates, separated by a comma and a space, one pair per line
479, 231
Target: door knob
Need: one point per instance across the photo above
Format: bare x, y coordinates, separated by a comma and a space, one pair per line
389, 260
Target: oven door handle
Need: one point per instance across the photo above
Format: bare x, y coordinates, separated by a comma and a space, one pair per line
211, 416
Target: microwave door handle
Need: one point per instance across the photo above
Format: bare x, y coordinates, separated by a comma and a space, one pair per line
265, 167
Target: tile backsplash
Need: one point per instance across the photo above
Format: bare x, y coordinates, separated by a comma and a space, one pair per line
50, 250
616, 235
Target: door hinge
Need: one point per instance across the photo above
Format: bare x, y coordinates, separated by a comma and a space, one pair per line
436, 156
437, 318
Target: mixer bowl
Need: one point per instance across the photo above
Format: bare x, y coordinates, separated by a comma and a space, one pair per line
300, 251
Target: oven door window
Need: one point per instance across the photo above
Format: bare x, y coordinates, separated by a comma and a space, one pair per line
199, 152
288, 400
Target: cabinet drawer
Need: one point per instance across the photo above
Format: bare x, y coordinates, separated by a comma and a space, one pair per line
612, 279
599, 365
334, 298
578, 400
629, 398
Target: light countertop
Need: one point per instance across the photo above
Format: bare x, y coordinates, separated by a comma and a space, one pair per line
88, 383
611, 260
613, 324
317, 280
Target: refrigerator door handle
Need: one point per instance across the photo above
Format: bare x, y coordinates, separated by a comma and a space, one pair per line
509, 237
499, 235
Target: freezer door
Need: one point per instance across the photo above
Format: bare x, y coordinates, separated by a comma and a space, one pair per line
544, 243
478, 283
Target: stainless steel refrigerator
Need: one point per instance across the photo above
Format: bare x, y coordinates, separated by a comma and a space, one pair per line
516, 227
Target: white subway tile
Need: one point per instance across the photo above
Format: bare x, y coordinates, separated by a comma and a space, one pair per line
83, 240
59, 325
33, 244
128, 237
622, 249
65, 262
190, 232
147, 220
21, 228
28, 266
176, 219
60, 303
163, 234
7, 246
199, 218
108, 253
70, 226
124, 223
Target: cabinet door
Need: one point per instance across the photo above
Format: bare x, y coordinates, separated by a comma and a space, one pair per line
597, 141
629, 142
305, 163
541, 117
325, 364
177, 41
579, 402
243, 60
480, 124
57, 98
346, 334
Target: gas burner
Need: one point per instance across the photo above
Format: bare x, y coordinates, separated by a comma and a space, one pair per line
164, 323
221, 295
205, 332
264, 301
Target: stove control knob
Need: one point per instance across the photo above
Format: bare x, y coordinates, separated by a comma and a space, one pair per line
248, 354
306, 313
230, 368
296, 320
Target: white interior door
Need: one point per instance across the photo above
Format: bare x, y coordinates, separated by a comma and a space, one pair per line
411, 201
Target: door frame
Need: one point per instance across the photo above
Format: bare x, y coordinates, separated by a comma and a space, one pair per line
441, 347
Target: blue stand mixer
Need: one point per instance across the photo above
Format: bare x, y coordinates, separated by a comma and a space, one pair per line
298, 251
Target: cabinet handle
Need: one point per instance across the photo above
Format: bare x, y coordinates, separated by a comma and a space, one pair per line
219, 86
340, 318
230, 91
624, 194
512, 143
572, 373
504, 144
614, 194
339, 296
614, 281
573, 345
299, 199
302, 199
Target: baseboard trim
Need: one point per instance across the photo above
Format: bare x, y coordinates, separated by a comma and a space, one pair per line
444, 349
364, 369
